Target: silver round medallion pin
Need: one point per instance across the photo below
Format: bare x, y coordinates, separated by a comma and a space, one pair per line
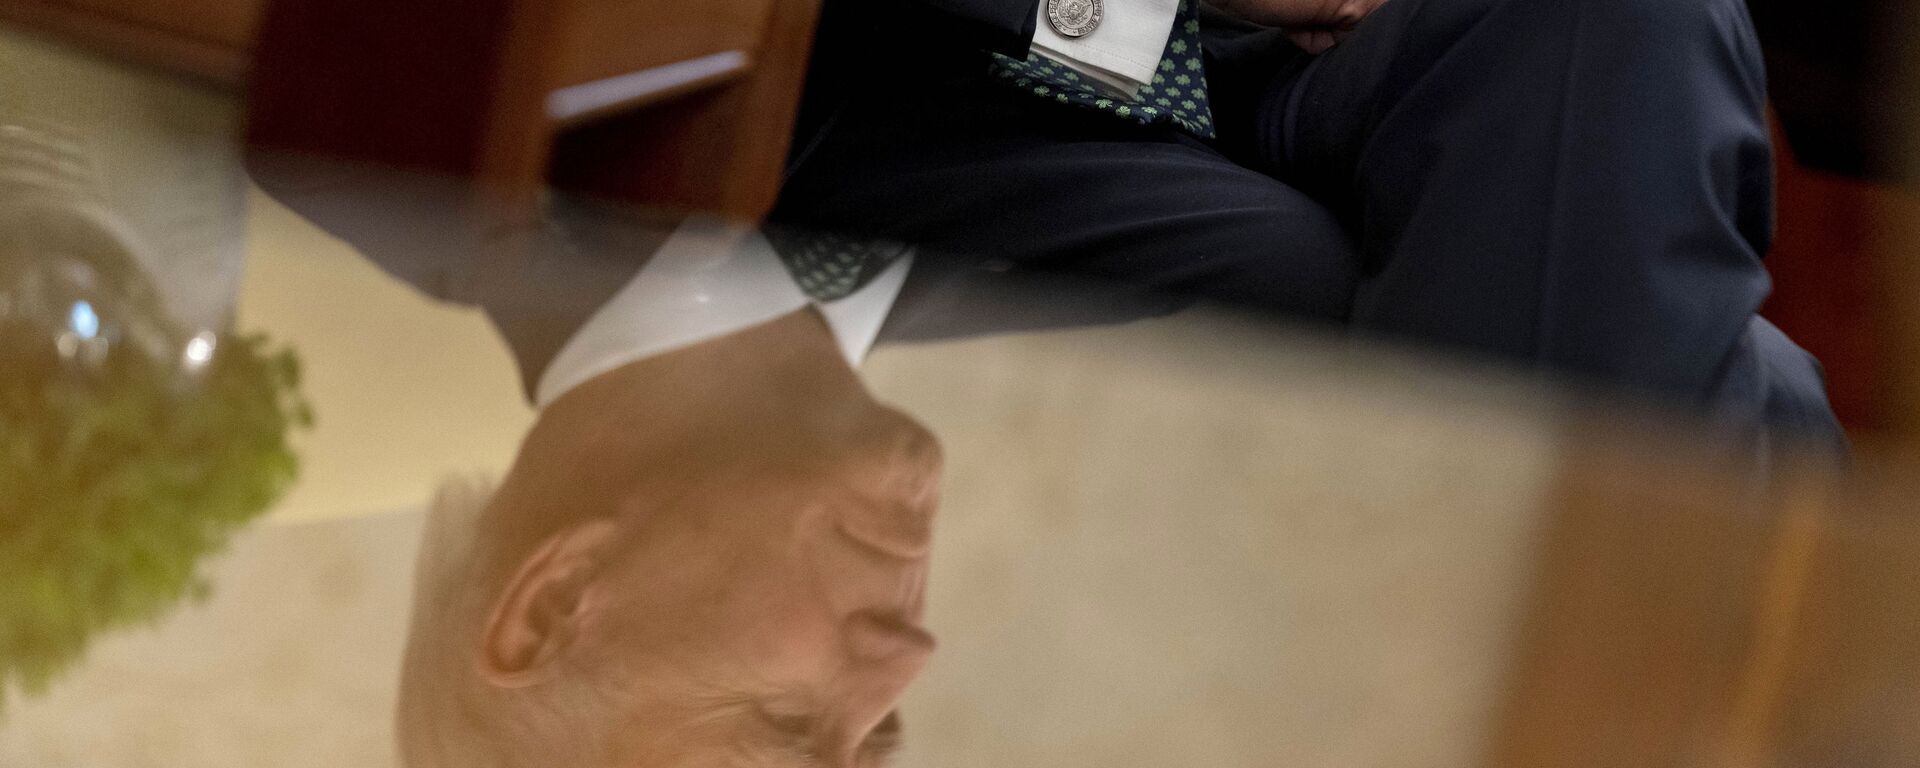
1075, 18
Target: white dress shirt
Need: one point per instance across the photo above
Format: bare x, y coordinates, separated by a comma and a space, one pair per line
710, 279
1123, 52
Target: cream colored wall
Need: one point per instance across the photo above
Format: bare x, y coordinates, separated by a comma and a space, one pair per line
405, 389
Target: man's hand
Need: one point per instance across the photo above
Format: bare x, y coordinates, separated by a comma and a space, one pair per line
1315, 25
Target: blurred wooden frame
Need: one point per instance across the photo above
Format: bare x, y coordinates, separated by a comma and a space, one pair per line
1685, 614
675, 104
506, 93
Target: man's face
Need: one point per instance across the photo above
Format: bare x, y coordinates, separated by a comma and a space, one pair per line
766, 610
715, 557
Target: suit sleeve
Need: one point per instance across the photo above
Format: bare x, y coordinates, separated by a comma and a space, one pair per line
1001, 26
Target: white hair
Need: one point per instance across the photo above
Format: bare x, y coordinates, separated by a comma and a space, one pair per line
450, 538
442, 571
452, 720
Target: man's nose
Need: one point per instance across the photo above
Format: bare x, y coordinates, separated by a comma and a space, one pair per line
900, 481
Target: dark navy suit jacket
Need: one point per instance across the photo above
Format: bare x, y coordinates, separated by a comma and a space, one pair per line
862, 43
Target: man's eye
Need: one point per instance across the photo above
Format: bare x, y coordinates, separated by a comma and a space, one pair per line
882, 742
798, 725
790, 737
791, 721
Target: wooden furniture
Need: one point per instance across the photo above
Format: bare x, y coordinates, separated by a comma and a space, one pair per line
1687, 617
1845, 285
678, 104
495, 90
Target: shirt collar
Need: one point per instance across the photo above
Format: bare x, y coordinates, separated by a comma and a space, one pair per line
710, 279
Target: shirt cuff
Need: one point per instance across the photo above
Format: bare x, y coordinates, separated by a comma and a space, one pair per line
1123, 53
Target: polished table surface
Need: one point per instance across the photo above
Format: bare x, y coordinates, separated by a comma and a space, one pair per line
1206, 539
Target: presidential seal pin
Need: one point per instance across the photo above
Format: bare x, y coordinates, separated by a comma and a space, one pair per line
1075, 18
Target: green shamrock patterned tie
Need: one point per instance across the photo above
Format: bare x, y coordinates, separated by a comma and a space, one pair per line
831, 267
1177, 95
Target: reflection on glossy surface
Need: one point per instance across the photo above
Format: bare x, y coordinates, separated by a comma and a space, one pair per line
137, 434
717, 551
1199, 540
119, 480
710, 528
132, 448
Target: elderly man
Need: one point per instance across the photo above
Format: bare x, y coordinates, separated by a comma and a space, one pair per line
1578, 185
712, 546
713, 531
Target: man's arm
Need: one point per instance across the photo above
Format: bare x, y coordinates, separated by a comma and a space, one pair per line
1001, 26
1314, 25
872, 46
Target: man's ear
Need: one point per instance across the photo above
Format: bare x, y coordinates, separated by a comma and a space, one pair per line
540, 612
